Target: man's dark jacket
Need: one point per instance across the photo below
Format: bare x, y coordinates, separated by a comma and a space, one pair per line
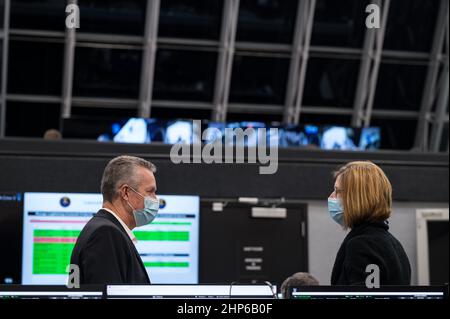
105, 253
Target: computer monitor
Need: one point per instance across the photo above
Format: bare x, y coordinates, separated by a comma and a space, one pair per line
214, 133
144, 131
182, 132
432, 246
252, 134
135, 130
313, 135
10, 237
292, 136
169, 247
364, 293
190, 291
338, 138
50, 292
329, 137
370, 138
257, 134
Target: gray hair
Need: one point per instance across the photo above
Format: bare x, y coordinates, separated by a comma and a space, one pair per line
298, 279
122, 170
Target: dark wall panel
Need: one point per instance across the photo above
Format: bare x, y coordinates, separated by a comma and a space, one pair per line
301, 175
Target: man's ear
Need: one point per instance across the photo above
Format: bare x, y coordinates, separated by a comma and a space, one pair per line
123, 192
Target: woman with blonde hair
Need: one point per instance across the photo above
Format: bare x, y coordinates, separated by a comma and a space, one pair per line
361, 201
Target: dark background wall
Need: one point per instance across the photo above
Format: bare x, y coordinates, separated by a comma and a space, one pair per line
73, 166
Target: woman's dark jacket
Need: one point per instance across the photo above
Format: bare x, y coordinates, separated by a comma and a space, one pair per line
371, 243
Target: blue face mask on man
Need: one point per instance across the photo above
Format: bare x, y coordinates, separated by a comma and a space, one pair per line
336, 211
147, 214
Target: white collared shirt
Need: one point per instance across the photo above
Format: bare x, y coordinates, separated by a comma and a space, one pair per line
128, 230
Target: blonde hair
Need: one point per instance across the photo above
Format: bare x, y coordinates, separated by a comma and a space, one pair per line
366, 193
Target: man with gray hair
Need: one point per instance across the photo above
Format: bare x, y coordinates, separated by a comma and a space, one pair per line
105, 251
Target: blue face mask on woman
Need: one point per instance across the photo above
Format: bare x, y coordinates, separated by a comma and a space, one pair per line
336, 211
147, 214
